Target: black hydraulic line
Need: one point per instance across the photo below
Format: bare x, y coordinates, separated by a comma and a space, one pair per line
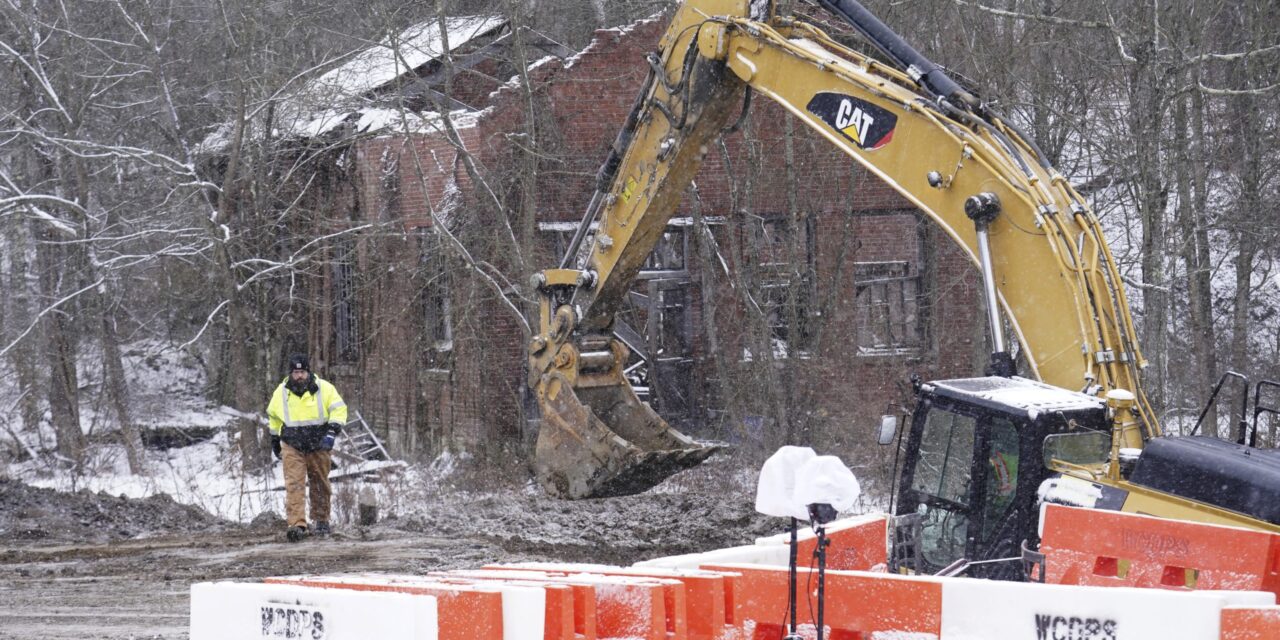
742, 117
682, 87
926, 72
1040, 155
979, 121
1244, 401
920, 68
609, 170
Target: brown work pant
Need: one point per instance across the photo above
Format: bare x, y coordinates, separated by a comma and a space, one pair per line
300, 469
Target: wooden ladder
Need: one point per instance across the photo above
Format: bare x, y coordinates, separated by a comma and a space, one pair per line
359, 443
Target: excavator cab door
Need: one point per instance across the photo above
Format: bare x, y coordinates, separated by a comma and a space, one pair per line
961, 478
938, 484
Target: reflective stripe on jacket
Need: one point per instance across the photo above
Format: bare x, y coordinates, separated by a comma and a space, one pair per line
288, 409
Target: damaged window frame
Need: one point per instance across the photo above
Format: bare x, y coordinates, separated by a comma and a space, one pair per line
346, 305
775, 279
434, 303
903, 285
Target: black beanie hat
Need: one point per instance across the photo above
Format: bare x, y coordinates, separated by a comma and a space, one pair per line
299, 361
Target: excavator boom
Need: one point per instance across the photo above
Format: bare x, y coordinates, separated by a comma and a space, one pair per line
985, 185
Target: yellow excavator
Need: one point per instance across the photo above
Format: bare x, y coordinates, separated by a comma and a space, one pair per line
1038, 245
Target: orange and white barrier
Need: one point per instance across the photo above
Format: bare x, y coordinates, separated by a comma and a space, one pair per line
623, 607
1251, 623
869, 605
768, 555
221, 610
466, 610
859, 604
570, 612
708, 595
860, 543
991, 609
1112, 548
1097, 560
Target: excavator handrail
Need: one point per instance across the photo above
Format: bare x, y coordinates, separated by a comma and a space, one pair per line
1258, 409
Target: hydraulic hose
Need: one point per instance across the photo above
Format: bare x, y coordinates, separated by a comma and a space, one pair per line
925, 71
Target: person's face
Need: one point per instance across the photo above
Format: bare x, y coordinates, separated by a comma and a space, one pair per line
298, 375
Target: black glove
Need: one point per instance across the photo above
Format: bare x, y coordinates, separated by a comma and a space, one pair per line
327, 443
275, 446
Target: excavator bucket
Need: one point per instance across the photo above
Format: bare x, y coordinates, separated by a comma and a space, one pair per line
602, 441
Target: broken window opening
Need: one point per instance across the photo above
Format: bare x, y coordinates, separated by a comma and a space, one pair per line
669, 258
785, 274
656, 321
888, 302
389, 186
435, 301
346, 313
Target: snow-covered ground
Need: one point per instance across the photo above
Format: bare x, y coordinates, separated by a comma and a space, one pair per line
166, 389
208, 475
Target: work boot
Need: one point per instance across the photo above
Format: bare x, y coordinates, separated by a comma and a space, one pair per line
322, 529
295, 534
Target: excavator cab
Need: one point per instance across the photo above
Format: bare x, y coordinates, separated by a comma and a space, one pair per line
983, 453
975, 459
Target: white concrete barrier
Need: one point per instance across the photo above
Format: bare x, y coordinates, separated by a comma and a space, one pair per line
244, 611
763, 554
987, 609
805, 531
523, 612
1243, 598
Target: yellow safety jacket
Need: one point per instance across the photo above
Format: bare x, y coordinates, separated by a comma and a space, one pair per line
300, 419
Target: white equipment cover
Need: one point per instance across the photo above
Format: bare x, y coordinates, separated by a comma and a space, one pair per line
775, 492
825, 480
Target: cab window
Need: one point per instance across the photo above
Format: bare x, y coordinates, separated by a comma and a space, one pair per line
1002, 473
946, 450
943, 471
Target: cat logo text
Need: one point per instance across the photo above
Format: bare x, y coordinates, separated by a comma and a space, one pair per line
868, 126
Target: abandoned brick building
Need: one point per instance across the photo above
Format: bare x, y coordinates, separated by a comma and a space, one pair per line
790, 299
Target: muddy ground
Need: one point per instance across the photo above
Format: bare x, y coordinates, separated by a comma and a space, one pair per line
91, 566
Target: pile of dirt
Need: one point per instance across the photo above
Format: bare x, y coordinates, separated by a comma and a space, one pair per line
610, 530
33, 514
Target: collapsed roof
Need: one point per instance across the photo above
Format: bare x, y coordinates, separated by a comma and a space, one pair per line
395, 84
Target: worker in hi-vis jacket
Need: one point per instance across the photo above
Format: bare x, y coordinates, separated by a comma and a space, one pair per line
305, 416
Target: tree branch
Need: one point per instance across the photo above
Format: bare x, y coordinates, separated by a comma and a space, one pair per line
46, 311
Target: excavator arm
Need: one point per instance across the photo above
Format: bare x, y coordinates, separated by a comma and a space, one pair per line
1044, 259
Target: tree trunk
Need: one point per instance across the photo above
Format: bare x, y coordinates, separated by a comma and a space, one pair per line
1194, 252
60, 352
114, 383
1147, 98
20, 284
709, 262
238, 389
